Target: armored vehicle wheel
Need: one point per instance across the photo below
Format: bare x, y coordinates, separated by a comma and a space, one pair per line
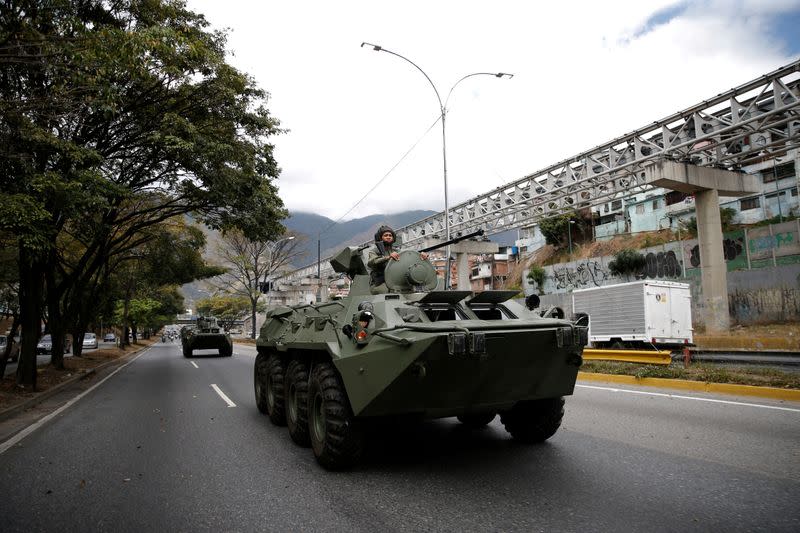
477, 420
336, 438
296, 388
187, 352
260, 382
227, 351
535, 420
268, 384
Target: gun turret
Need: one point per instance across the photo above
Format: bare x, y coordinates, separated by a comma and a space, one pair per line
478, 233
349, 261
411, 273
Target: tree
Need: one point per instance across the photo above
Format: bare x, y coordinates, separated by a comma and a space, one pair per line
115, 117
537, 274
226, 309
555, 228
251, 262
627, 262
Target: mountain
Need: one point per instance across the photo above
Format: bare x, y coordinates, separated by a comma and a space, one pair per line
337, 235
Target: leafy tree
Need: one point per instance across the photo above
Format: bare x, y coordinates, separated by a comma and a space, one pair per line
627, 262
251, 262
537, 275
226, 309
116, 116
555, 229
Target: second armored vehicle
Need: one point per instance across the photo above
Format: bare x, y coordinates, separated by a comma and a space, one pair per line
206, 334
326, 369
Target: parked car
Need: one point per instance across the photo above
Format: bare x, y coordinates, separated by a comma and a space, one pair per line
110, 337
45, 345
89, 340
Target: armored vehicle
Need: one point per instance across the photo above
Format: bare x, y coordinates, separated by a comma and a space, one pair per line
326, 370
206, 334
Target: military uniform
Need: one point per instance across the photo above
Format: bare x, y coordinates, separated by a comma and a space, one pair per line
378, 259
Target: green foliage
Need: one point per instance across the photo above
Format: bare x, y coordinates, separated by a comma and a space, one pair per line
555, 229
627, 262
537, 274
142, 312
225, 308
727, 217
115, 117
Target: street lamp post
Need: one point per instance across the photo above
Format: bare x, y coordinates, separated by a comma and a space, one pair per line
569, 236
442, 115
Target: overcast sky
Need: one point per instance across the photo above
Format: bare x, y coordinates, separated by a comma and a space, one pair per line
584, 72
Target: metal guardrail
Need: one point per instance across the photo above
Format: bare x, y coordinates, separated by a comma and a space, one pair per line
650, 357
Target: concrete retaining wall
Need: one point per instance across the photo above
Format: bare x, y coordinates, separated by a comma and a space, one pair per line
763, 274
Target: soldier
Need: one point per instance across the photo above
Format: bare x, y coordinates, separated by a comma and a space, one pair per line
384, 252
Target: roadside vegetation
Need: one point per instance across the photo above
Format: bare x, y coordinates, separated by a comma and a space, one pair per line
706, 372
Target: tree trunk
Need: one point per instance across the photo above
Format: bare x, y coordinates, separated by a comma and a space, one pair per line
9, 346
253, 318
126, 340
31, 290
77, 342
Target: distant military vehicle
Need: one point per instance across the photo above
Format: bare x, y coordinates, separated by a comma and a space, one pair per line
325, 370
206, 334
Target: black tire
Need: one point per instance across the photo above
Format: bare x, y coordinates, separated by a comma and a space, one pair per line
296, 387
260, 382
336, 438
617, 345
273, 389
187, 352
535, 420
476, 420
226, 351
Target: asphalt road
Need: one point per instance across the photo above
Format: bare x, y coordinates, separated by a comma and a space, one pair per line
156, 447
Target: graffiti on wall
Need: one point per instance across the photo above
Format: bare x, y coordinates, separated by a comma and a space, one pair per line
732, 249
662, 265
590, 273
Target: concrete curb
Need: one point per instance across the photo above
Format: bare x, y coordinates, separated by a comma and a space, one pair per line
773, 393
28, 403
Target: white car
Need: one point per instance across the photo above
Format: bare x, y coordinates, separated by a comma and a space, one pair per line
89, 340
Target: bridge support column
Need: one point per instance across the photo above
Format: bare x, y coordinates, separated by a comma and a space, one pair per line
714, 272
706, 183
462, 264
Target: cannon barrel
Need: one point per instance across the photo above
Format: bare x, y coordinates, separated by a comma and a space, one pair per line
478, 233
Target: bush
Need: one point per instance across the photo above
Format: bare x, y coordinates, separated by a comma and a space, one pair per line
537, 275
627, 262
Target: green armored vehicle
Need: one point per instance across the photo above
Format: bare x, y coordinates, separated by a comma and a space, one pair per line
206, 334
325, 370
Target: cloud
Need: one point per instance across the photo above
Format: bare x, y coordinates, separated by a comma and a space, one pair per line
585, 72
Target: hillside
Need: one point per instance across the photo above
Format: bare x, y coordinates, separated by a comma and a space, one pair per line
337, 235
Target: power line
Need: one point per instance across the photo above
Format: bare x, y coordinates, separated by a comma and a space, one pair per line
329, 226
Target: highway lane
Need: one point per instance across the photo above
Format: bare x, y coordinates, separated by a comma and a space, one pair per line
156, 447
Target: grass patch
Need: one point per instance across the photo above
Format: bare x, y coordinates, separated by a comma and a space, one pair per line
706, 372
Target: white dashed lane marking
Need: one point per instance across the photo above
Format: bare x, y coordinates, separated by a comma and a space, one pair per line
222, 395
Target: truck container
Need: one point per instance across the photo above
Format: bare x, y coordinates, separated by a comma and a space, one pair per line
637, 314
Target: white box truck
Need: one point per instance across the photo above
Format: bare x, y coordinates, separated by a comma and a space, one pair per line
637, 314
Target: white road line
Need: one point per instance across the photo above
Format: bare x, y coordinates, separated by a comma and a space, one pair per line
33, 427
194, 364
680, 397
222, 395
